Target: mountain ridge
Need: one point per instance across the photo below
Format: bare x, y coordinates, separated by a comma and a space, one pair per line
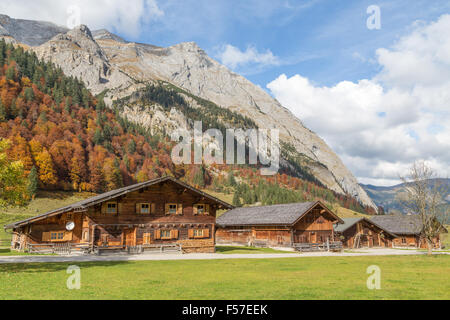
386, 196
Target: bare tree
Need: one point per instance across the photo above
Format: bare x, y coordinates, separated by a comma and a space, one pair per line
424, 196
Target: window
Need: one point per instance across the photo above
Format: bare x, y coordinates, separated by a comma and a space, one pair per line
403, 240
165, 234
57, 236
172, 208
145, 208
85, 235
111, 207
201, 208
198, 233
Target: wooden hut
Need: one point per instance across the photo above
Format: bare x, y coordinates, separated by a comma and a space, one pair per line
283, 225
362, 232
159, 213
408, 230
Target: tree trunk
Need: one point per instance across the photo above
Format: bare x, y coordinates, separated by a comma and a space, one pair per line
430, 247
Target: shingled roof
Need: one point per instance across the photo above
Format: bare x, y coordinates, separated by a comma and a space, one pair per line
349, 222
280, 214
399, 224
112, 195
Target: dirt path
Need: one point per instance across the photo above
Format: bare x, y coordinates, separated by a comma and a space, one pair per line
203, 256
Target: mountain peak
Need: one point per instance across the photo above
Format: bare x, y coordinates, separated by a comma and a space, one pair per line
83, 29
104, 34
188, 46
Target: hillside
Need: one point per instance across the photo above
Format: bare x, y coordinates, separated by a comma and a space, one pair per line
109, 64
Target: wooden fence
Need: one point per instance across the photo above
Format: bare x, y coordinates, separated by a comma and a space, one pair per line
326, 246
57, 248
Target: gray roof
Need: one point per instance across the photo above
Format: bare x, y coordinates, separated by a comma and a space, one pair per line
280, 214
349, 222
399, 224
114, 194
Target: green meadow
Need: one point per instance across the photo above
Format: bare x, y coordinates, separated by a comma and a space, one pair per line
402, 277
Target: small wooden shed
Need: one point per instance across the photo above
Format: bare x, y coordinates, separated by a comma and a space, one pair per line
361, 232
282, 225
407, 228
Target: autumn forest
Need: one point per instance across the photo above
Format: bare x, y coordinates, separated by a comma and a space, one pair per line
68, 139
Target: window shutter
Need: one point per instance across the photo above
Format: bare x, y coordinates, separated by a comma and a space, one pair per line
68, 236
138, 208
167, 209
206, 233
119, 208
157, 234
195, 209
174, 234
153, 208
45, 236
191, 233
180, 209
146, 239
104, 208
206, 209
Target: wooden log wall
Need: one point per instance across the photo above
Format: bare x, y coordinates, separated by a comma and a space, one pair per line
128, 226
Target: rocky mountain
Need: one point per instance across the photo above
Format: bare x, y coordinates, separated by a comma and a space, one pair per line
111, 65
388, 197
29, 32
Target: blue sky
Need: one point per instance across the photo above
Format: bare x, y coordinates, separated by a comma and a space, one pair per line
326, 41
379, 98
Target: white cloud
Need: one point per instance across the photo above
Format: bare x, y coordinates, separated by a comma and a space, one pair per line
233, 57
115, 15
380, 126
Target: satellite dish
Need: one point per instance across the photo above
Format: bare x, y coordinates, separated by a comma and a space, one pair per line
70, 225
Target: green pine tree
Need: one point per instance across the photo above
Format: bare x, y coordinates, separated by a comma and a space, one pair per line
236, 200
33, 182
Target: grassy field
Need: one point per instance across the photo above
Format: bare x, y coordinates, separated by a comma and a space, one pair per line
402, 277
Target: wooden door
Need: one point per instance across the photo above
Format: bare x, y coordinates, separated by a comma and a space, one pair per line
129, 237
313, 238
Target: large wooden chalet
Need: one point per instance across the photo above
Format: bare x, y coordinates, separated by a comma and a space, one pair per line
408, 230
283, 225
159, 212
362, 232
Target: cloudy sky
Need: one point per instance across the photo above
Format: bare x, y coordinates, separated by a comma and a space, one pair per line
379, 97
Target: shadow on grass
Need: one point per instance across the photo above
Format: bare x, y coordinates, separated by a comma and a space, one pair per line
222, 249
54, 266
